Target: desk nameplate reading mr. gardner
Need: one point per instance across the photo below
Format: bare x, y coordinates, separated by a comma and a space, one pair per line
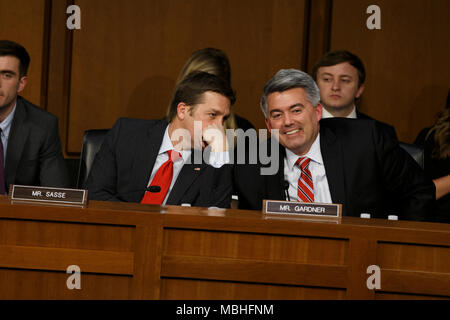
48, 195
326, 211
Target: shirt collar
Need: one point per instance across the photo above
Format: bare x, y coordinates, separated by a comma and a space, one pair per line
326, 114
167, 145
5, 125
314, 154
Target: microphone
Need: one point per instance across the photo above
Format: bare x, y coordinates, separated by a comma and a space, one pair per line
153, 189
286, 190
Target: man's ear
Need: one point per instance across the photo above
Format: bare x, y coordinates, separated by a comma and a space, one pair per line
360, 91
268, 124
22, 84
182, 110
319, 111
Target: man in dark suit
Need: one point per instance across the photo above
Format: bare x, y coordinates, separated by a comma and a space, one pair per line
340, 76
337, 160
30, 149
131, 158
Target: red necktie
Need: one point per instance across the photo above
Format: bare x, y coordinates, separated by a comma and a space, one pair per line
305, 189
163, 179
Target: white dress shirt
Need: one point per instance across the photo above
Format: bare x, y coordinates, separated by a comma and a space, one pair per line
292, 173
326, 114
216, 159
5, 125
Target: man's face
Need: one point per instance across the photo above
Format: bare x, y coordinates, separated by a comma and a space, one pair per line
338, 86
211, 111
295, 117
10, 82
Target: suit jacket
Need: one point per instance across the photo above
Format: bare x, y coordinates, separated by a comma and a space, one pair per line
33, 155
390, 130
124, 163
364, 168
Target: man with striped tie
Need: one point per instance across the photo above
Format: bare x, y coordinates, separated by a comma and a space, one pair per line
338, 160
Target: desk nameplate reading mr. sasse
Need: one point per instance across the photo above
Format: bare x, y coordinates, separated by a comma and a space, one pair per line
326, 211
48, 195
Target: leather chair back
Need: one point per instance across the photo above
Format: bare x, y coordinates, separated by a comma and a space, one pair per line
414, 151
92, 141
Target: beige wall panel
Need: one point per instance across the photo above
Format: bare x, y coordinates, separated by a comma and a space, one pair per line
408, 75
127, 55
22, 21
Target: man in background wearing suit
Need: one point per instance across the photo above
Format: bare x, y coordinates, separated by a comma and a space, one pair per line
155, 161
338, 160
30, 149
340, 76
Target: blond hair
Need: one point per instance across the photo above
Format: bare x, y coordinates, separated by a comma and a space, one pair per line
441, 132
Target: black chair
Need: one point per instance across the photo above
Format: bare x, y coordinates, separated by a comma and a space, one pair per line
92, 141
414, 151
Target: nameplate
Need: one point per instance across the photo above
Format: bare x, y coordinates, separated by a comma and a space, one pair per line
300, 209
48, 195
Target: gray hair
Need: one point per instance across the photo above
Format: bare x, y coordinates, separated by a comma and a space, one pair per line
286, 79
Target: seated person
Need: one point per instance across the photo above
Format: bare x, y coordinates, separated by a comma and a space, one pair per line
30, 148
436, 144
340, 76
155, 161
354, 163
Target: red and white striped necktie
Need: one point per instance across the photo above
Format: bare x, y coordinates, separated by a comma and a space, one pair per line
305, 188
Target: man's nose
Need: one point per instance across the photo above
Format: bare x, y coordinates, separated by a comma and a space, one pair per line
287, 120
335, 85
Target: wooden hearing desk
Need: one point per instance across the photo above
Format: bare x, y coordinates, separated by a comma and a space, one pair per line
132, 251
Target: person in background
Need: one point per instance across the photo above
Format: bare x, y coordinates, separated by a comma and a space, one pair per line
435, 141
214, 61
30, 147
340, 76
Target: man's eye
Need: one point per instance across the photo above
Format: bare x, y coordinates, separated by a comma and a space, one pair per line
276, 115
326, 79
212, 115
296, 110
7, 75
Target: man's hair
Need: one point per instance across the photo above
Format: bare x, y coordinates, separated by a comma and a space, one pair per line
333, 58
192, 88
286, 79
10, 48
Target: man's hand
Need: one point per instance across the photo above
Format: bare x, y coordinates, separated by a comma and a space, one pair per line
214, 135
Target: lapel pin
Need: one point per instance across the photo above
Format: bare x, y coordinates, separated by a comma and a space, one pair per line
197, 169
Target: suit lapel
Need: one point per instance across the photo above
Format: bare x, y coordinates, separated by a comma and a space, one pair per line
275, 183
334, 166
145, 159
188, 174
17, 137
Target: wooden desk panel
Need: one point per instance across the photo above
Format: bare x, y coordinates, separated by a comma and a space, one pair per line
133, 251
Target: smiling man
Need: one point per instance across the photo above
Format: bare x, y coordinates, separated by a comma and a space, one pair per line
155, 162
30, 148
340, 76
337, 160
